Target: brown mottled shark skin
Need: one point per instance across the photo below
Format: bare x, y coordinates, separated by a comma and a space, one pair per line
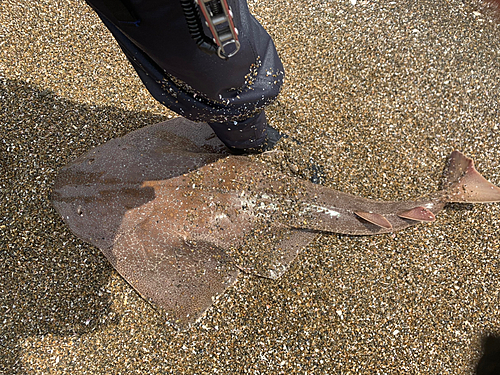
178, 218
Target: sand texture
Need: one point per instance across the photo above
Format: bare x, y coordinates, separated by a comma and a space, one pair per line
377, 93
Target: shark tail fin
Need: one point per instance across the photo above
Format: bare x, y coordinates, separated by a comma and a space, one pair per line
463, 183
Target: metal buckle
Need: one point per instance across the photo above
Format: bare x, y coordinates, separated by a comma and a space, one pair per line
219, 19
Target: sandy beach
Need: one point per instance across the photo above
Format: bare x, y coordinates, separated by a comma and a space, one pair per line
378, 93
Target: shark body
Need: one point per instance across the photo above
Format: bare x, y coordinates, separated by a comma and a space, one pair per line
178, 218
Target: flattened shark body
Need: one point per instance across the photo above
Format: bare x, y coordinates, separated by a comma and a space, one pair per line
179, 218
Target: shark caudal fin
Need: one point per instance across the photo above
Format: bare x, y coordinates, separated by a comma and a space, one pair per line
463, 183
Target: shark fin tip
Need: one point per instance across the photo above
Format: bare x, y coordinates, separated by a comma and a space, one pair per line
376, 219
418, 214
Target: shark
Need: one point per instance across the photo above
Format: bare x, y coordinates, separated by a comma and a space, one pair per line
179, 218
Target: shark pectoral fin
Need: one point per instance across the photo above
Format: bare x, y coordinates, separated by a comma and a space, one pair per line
268, 250
181, 277
465, 183
376, 219
418, 214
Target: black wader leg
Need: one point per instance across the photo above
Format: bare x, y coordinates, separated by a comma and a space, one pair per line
249, 133
230, 94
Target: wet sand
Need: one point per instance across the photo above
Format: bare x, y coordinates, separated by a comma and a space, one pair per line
377, 92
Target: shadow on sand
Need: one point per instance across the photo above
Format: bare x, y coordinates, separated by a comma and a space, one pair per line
489, 364
51, 283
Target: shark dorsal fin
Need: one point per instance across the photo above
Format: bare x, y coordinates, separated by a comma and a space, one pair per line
377, 219
418, 214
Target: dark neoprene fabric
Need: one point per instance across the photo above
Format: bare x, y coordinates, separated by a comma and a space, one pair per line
228, 94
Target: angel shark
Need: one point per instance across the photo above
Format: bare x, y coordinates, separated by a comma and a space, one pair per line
179, 218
